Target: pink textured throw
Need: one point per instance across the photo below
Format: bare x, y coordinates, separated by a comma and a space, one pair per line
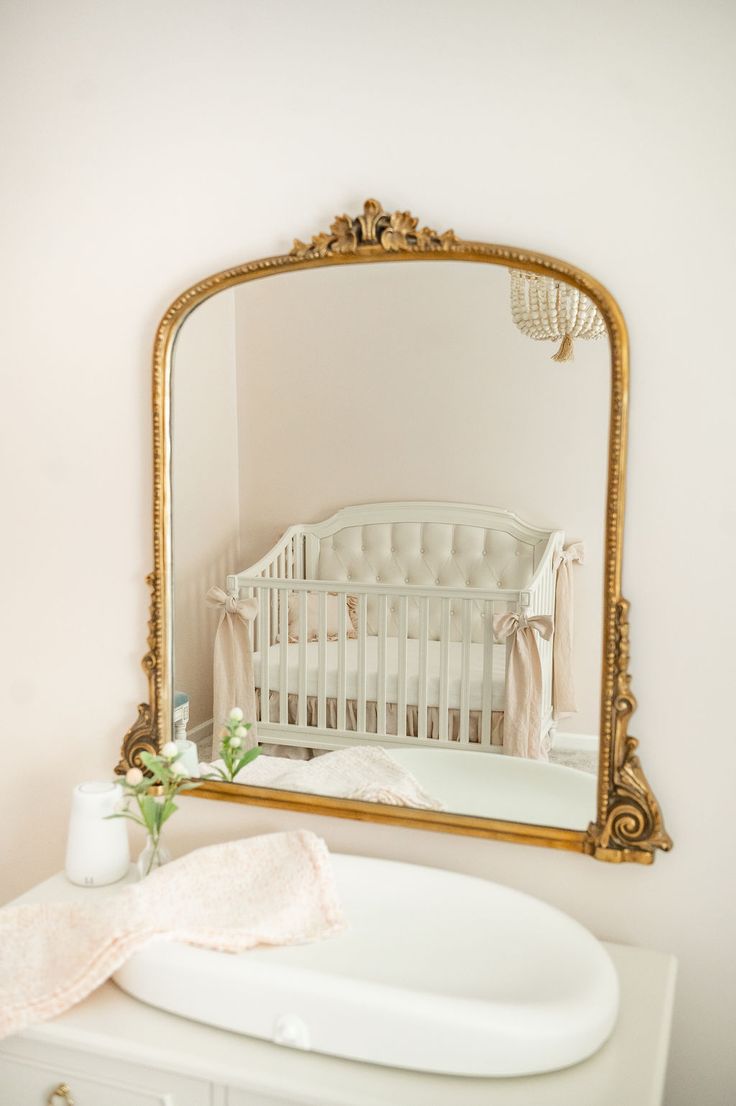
277, 889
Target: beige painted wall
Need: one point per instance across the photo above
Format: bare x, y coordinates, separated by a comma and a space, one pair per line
205, 489
147, 145
390, 381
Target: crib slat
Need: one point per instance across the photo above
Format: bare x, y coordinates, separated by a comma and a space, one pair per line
422, 673
401, 696
362, 631
381, 689
341, 659
263, 648
465, 672
274, 597
321, 661
289, 574
444, 668
283, 657
487, 690
300, 557
249, 593
302, 681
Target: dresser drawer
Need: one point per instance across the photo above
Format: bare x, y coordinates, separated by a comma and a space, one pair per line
30, 1081
250, 1098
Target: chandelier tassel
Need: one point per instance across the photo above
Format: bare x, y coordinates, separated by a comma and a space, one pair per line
565, 352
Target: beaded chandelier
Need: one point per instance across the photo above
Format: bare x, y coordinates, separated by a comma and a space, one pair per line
548, 309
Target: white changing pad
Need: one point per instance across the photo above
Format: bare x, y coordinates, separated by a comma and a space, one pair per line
392, 665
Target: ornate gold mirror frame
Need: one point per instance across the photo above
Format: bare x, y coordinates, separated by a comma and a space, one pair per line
629, 825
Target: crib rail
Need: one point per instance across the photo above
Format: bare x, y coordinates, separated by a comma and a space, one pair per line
412, 591
399, 686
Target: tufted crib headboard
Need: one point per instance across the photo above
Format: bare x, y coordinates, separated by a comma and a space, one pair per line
427, 544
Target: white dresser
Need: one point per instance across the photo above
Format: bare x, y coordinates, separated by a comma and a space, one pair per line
114, 1051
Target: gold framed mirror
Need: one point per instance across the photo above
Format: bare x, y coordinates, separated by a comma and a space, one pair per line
549, 299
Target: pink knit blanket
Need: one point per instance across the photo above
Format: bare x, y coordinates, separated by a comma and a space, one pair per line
277, 889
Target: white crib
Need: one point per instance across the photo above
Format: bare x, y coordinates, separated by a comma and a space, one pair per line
414, 662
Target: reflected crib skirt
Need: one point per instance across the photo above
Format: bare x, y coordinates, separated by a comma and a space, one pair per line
371, 723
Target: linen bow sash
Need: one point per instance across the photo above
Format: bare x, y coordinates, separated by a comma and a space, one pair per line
522, 718
564, 700
233, 683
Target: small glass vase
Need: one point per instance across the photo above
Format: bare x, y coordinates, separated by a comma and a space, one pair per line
153, 856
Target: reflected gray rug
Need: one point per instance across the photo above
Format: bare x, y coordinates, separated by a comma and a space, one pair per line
575, 758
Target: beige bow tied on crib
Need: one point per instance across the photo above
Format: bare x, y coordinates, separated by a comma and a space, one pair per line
522, 717
233, 684
563, 678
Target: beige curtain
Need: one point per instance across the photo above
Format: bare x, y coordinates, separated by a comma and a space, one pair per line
233, 662
523, 704
563, 678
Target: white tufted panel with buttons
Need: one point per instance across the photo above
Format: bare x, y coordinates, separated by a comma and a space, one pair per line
428, 554
417, 543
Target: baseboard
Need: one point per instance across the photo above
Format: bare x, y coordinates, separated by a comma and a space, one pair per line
202, 732
575, 742
562, 743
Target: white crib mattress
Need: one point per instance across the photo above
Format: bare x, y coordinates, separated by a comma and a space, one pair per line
371, 666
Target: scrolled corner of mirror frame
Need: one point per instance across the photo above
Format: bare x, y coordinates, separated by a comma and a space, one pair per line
629, 826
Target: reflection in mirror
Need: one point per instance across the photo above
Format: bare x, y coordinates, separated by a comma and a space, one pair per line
388, 534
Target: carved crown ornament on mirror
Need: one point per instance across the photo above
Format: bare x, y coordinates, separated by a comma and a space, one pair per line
628, 825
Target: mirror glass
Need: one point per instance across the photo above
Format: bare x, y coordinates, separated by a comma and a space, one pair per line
388, 509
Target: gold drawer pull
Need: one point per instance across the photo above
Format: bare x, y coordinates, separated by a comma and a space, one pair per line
63, 1092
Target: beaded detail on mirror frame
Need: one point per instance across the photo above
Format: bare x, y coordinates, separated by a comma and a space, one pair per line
629, 824
142, 735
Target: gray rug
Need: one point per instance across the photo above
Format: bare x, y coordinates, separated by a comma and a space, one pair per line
575, 758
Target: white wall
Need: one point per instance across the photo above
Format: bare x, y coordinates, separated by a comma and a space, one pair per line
153, 143
389, 382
